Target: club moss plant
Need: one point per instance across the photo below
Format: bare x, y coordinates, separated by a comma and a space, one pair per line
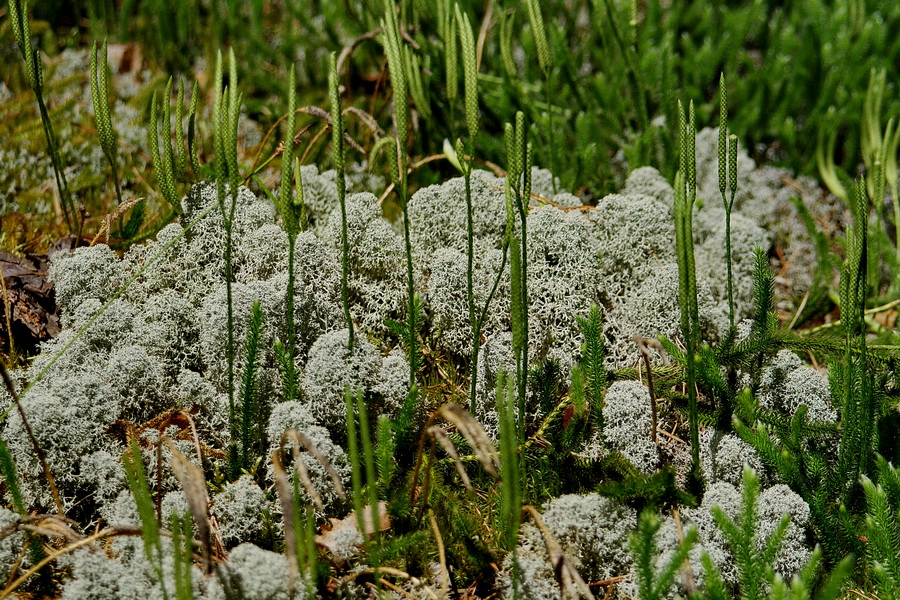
576, 468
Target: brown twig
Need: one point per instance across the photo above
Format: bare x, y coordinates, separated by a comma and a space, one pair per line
389, 571
688, 582
42, 458
348, 50
645, 353
442, 555
566, 574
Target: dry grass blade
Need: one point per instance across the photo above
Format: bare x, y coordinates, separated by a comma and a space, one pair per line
367, 119
50, 526
191, 478
440, 436
299, 468
106, 224
318, 112
570, 582
299, 440
38, 451
394, 572
286, 497
442, 555
348, 50
645, 353
475, 434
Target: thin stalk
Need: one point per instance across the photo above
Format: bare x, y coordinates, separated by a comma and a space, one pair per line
337, 137
290, 393
470, 292
522, 198
728, 266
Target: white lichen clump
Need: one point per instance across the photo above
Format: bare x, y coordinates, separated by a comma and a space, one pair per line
773, 503
159, 348
627, 424
593, 533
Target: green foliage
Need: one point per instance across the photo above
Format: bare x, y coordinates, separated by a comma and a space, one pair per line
727, 178
140, 489
182, 546
337, 149
593, 356
365, 495
226, 113
253, 416
405, 74
11, 477
860, 409
626, 484
171, 163
685, 194
100, 96
655, 583
519, 157
882, 529
291, 207
470, 75
510, 469
753, 564
385, 449
20, 21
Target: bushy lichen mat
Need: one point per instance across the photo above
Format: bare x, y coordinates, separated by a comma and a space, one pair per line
160, 347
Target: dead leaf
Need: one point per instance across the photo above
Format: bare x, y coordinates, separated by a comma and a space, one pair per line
125, 59
34, 316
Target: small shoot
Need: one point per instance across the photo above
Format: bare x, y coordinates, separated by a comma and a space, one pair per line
510, 469
226, 114
252, 411
546, 63
592, 364
655, 583
753, 557
163, 161
470, 71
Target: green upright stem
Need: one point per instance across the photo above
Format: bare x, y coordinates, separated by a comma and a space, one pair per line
470, 292
290, 393
728, 266
61, 184
345, 262
896, 203
411, 324
523, 375
229, 351
552, 141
